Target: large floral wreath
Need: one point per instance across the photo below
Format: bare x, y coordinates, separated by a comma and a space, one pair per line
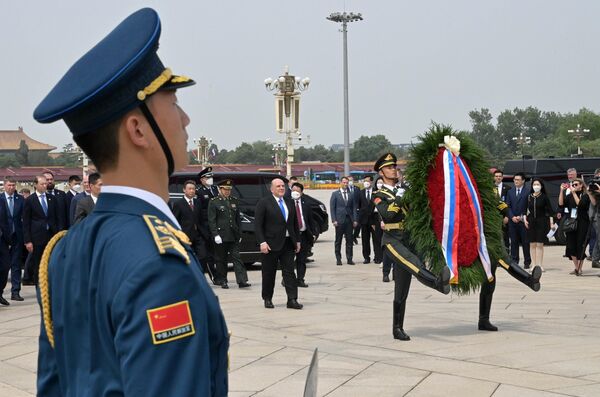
424, 221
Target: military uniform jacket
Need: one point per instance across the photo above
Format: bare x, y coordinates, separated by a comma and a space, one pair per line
204, 195
131, 312
391, 209
224, 218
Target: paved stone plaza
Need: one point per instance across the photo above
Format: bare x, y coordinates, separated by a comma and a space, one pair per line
548, 343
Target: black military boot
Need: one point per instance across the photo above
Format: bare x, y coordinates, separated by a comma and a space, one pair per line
485, 304
440, 283
531, 280
397, 327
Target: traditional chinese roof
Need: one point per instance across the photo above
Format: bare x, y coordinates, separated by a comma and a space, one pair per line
11, 139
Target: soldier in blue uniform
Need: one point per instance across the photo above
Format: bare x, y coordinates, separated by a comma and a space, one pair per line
126, 310
205, 192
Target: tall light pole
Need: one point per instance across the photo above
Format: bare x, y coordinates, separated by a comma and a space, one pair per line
344, 18
202, 146
287, 110
578, 133
522, 140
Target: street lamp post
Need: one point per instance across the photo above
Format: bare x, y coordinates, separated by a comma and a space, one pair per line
344, 18
522, 140
202, 147
287, 110
578, 133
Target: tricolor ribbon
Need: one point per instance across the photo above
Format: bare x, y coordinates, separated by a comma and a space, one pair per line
455, 175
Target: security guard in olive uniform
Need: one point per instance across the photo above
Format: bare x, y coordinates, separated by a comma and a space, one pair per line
205, 192
225, 224
391, 208
126, 310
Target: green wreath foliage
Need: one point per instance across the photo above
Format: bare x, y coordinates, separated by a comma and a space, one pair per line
419, 222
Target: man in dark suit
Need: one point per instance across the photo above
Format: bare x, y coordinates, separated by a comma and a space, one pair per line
86, 205
60, 201
39, 225
79, 196
187, 213
74, 189
276, 229
516, 199
306, 227
355, 191
501, 192
11, 242
343, 208
368, 220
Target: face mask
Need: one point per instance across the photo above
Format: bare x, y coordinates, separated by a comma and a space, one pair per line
367, 185
209, 181
379, 186
296, 195
537, 188
350, 183
77, 188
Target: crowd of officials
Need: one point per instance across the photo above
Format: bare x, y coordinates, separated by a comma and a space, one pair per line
28, 220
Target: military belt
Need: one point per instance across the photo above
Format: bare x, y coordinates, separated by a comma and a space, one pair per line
394, 226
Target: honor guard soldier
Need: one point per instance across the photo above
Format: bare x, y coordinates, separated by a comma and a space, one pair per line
125, 308
391, 208
225, 223
205, 192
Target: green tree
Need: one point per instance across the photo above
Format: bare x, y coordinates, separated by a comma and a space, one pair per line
369, 148
22, 154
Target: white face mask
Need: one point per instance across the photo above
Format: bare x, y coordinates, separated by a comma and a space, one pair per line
350, 183
367, 185
209, 181
379, 186
296, 195
77, 188
537, 188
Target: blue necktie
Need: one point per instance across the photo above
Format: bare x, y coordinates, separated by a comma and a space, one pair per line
11, 205
44, 205
281, 207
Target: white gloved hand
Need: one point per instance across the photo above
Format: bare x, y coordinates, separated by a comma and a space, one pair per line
400, 192
218, 240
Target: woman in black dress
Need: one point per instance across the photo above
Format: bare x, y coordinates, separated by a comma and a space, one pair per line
578, 204
538, 220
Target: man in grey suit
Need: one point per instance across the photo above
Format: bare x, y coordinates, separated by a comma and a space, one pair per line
343, 206
86, 205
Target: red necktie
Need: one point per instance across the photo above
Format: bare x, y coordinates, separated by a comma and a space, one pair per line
192, 205
299, 215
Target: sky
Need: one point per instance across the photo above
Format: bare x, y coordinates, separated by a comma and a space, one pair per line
410, 62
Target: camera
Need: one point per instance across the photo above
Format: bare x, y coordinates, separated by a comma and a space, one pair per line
594, 184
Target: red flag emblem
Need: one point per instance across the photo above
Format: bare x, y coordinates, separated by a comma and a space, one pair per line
171, 322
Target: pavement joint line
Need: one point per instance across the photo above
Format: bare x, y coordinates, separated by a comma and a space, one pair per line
496, 389
4, 360
352, 377
418, 383
260, 358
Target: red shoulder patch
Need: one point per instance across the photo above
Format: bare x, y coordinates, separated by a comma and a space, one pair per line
171, 322
377, 200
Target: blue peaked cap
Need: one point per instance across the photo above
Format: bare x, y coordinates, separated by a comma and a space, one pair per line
114, 77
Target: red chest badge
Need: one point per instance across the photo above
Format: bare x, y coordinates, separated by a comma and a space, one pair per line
171, 322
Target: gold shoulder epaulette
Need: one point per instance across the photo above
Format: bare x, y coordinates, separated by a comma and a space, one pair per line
502, 205
167, 238
45, 286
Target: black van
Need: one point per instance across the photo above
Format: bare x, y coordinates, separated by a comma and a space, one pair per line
249, 187
554, 172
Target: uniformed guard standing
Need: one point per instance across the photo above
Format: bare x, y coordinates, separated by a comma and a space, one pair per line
205, 192
390, 206
225, 225
125, 308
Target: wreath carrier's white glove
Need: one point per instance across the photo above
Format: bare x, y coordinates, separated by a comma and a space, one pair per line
400, 192
218, 240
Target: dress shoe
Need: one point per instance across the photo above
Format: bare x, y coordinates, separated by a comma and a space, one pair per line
400, 334
27, 282
366, 261
293, 304
485, 325
377, 261
302, 284
339, 263
224, 286
244, 285
526, 266
351, 263
269, 304
4, 301
355, 241
16, 297
386, 279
